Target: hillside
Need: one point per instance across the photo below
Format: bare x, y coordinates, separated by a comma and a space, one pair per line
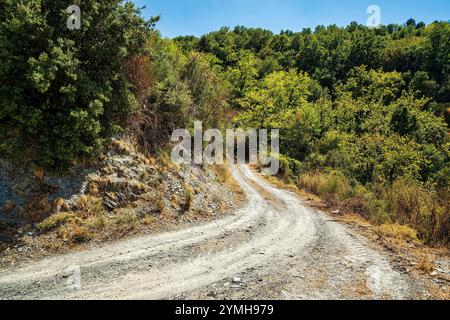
95, 102
124, 194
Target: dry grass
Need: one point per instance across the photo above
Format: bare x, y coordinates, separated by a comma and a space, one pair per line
156, 199
312, 182
403, 203
356, 219
106, 212
121, 146
39, 173
165, 162
37, 209
410, 204
294, 188
360, 202
398, 232
222, 173
331, 187
58, 204
56, 220
186, 204
74, 233
224, 176
425, 264
93, 188
150, 220
175, 201
89, 220
126, 220
99, 222
89, 206
400, 239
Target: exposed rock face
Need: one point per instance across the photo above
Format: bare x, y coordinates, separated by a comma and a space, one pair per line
123, 185
10, 195
122, 177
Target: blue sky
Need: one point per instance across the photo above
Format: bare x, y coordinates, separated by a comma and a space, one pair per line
196, 17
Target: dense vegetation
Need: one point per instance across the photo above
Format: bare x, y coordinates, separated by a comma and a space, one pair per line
363, 113
62, 91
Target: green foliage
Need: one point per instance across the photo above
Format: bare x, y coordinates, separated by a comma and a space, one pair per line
63, 91
418, 53
187, 87
373, 85
274, 102
242, 77
371, 136
290, 169
363, 114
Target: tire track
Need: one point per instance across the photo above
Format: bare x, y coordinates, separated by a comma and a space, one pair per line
283, 230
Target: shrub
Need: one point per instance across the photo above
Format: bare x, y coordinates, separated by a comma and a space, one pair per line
75, 233
289, 169
398, 231
185, 87
410, 204
63, 90
126, 219
56, 220
333, 187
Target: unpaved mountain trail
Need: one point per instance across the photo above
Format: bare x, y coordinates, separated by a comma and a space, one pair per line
275, 247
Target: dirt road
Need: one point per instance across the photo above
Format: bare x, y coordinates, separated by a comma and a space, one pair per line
275, 247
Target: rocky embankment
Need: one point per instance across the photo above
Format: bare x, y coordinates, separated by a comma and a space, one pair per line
124, 193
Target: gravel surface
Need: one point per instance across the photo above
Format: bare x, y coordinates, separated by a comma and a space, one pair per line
275, 247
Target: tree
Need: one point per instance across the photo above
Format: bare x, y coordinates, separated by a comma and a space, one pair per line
403, 122
274, 103
374, 85
222, 44
63, 91
243, 76
411, 23
366, 105
208, 90
438, 51
422, 83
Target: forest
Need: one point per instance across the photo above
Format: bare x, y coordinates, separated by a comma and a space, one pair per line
363, 113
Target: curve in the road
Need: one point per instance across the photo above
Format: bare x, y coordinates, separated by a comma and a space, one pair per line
181, 262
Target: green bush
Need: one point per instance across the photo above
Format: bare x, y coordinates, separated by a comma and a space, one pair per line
62, 91
289, 169
369, 104
364, 202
